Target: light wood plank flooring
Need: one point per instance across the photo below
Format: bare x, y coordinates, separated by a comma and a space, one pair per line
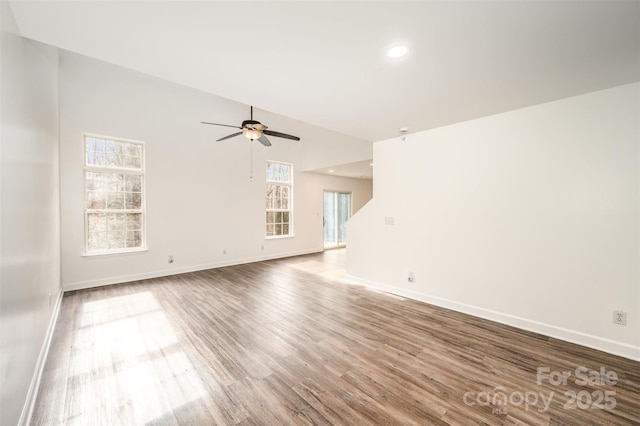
287, 342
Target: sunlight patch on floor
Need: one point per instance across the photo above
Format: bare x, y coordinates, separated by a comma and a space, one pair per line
126, 356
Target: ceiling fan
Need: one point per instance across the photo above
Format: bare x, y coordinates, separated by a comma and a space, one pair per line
254, 130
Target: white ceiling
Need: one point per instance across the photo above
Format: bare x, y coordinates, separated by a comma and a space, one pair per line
323, 62
357, 170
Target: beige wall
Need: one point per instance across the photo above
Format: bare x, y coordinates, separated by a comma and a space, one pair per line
29, 213
200, 201
529, 217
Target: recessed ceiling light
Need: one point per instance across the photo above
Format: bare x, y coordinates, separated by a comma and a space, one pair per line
397, 51
332, 171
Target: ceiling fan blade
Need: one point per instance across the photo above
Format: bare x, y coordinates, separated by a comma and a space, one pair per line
233, 135
280, 135
264, 141
217, 124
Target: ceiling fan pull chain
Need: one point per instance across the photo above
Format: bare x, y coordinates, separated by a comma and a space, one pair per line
251, 160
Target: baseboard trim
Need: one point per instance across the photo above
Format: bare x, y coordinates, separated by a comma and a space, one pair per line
34, 386
182, 270
572, 336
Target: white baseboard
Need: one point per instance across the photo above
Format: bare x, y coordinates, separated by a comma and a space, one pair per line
182, 270
32, 393
590, 341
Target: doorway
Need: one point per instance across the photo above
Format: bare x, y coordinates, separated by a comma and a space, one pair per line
337, 211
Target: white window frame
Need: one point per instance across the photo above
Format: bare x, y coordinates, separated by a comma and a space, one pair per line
288, 184
120, 170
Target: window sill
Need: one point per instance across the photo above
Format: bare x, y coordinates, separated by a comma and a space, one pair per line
278, 237
115, 253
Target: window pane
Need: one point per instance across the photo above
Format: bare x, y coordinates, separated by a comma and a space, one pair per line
278, 172
100, 180
100, 144
134, 221
271, 196
92, 181
271, 217
96, 222
114, 181
116, 222
285, 229
278, 197
133, 183
132, 162
133, 150
133, 201
91, 157
278, 229
110, 146
96, 200
113, 153
134, 239
93, 241
97, 241
115, 200
116, 240
269, 171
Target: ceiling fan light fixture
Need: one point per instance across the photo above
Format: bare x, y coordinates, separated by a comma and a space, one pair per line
251, 134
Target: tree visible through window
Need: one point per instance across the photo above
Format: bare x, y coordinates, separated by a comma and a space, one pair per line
279, 199
114, 182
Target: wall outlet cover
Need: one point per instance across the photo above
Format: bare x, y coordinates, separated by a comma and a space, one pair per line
620, 317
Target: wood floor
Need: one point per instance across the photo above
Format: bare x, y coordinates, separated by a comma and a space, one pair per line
286, 342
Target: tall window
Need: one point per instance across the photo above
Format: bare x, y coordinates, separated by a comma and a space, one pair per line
279, 199
114, 182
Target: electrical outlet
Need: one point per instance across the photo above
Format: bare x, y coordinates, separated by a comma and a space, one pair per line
170, 258
620, 317
224, 251
410, 277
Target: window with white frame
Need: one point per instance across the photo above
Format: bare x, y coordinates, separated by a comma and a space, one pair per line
279, 199
114, 186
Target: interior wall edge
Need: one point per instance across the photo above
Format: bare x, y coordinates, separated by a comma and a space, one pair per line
34, 386
572, 336
82, 285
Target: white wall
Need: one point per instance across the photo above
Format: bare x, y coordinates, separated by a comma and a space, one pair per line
530, 217
29, 214
199, 199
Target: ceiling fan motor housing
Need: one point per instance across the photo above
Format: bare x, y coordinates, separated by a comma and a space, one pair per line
252, 124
